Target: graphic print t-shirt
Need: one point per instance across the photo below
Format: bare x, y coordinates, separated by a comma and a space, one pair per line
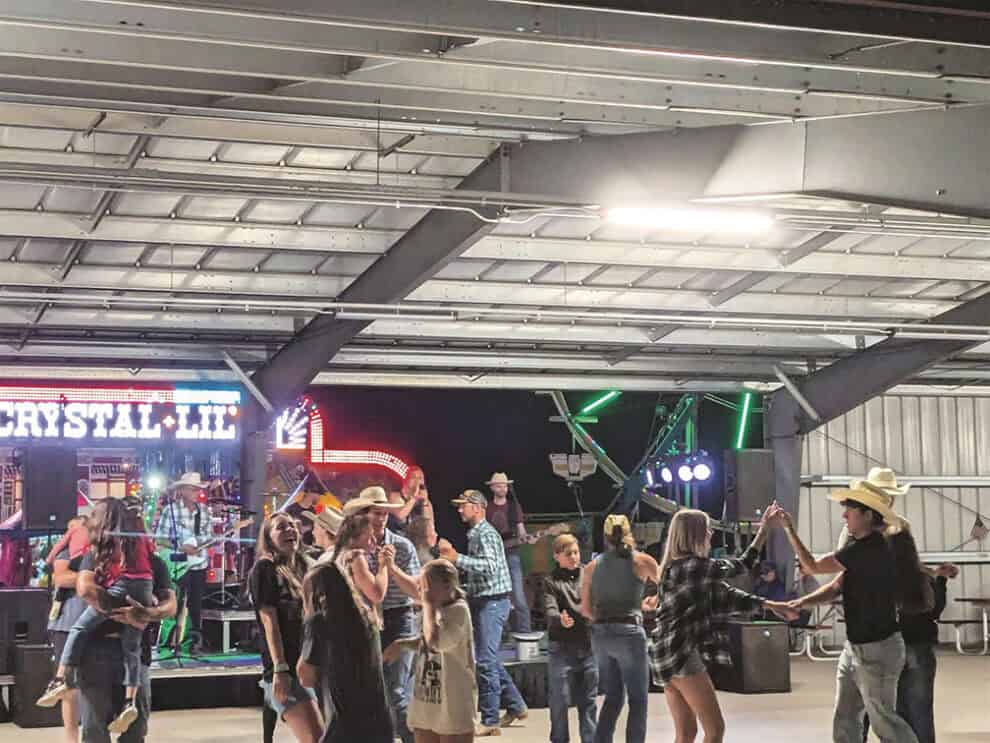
445, 694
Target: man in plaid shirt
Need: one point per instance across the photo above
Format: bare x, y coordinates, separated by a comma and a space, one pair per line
485, 577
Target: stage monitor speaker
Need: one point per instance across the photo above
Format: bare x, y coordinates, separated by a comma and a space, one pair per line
23, 617
749, 483
50, 477
33, 667
760, 660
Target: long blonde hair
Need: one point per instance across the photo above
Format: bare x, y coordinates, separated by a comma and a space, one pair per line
687, 536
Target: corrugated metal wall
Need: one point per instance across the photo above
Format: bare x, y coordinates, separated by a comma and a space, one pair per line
915, 436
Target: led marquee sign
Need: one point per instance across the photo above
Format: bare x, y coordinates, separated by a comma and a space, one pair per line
134, 414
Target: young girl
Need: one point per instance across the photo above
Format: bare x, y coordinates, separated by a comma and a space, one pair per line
341, 655
276, 588
694, 599
445, 692
122, 552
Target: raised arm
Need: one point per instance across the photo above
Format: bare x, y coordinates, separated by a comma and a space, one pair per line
373, 586
826, 565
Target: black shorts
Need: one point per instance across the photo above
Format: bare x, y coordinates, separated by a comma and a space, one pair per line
58, 638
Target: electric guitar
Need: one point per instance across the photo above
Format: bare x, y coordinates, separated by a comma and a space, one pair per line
549, 531
178, 562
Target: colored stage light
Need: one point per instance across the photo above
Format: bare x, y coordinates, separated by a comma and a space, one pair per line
598, 402
155, 482
743, 420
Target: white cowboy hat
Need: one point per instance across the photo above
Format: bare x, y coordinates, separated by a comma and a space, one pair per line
188, 480
880, 498
499, 478
329, 518
373, 497
880, 480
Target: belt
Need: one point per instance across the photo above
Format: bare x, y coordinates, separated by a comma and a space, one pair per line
496, 597
637, 620
395, 609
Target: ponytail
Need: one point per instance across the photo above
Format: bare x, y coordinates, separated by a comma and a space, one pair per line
618, 535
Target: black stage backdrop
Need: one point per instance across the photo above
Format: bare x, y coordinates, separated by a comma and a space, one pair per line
460, 437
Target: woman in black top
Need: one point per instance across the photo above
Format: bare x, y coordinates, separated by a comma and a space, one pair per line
342, 655
276, 588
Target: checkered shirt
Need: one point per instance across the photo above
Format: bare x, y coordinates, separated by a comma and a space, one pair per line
406, 560
695, 602
182, 532
484, 570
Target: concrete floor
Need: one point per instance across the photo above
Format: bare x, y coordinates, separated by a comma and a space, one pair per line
962, 705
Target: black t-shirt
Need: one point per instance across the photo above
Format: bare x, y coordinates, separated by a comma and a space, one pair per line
869, 589
269, 589
923, 628
161, 589
351, 682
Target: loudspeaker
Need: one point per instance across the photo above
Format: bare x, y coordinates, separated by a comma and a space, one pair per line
33, 669
749, 483
760, 660
50, 477
23, 618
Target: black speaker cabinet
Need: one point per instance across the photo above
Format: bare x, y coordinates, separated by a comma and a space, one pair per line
749, 483
50, 477
23, 616
32, 672
760, 660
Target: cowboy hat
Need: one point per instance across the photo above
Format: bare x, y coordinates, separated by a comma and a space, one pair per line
499, 478
873, 498
188, 480
328, 518
881, 480
373, 497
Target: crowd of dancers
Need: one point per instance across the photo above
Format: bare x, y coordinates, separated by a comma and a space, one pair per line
374, 627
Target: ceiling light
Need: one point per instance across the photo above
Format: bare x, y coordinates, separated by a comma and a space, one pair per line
691, 220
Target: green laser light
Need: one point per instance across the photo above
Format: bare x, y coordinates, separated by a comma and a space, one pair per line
595, 404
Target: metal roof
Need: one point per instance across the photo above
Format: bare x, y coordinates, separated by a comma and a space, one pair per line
183, 178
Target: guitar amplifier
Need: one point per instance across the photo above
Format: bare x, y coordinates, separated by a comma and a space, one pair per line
761, 663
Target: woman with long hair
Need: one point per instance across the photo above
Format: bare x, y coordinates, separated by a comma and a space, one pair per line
694, 602
612, 598
355, 541
276, 588
341, 655
123, 552
445, 692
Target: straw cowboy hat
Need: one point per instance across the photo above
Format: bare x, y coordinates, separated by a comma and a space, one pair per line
499, 478
877, 492
329, 518
189, 480
373, 497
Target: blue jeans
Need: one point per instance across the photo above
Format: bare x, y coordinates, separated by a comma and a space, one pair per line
520, 607
916, 692
620, 650
573, 674
101, 693
866, 682
297, 695
495, 687
399, 624
130, 638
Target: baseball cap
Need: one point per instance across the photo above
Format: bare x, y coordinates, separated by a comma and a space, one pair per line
471, 496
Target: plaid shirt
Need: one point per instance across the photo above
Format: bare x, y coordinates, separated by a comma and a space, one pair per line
182, 532
695, 602
406, 560
484, 568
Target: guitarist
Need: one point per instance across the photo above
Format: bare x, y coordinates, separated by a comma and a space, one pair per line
506, 515
186, 524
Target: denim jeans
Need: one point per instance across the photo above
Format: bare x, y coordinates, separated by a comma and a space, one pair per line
495, 687
520, 607
620, 650
130, 638
866, 682
101, 693
573, 676
916, 692
399, 623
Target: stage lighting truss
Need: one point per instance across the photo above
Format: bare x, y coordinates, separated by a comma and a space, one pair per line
697, 467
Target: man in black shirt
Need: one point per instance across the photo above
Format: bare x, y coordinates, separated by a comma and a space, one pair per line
874, 653
101, 669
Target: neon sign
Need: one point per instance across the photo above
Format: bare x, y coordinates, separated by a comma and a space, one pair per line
142, 414
291, 435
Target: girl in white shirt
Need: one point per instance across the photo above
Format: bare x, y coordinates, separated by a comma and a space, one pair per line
445, 693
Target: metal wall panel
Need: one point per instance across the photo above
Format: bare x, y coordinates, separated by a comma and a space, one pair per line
916, 436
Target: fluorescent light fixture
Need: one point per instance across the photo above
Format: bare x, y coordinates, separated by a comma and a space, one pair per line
692, 220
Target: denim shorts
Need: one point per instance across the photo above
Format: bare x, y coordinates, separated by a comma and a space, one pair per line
693, 666
297, 694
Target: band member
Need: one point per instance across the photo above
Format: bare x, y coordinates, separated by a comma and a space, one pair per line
304, 508
185, 526
878, 574
487, 582
506, 515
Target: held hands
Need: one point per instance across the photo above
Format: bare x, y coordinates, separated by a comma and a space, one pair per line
386, 555
947, 570
447, 551
783, 610
566, 620
134, 615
